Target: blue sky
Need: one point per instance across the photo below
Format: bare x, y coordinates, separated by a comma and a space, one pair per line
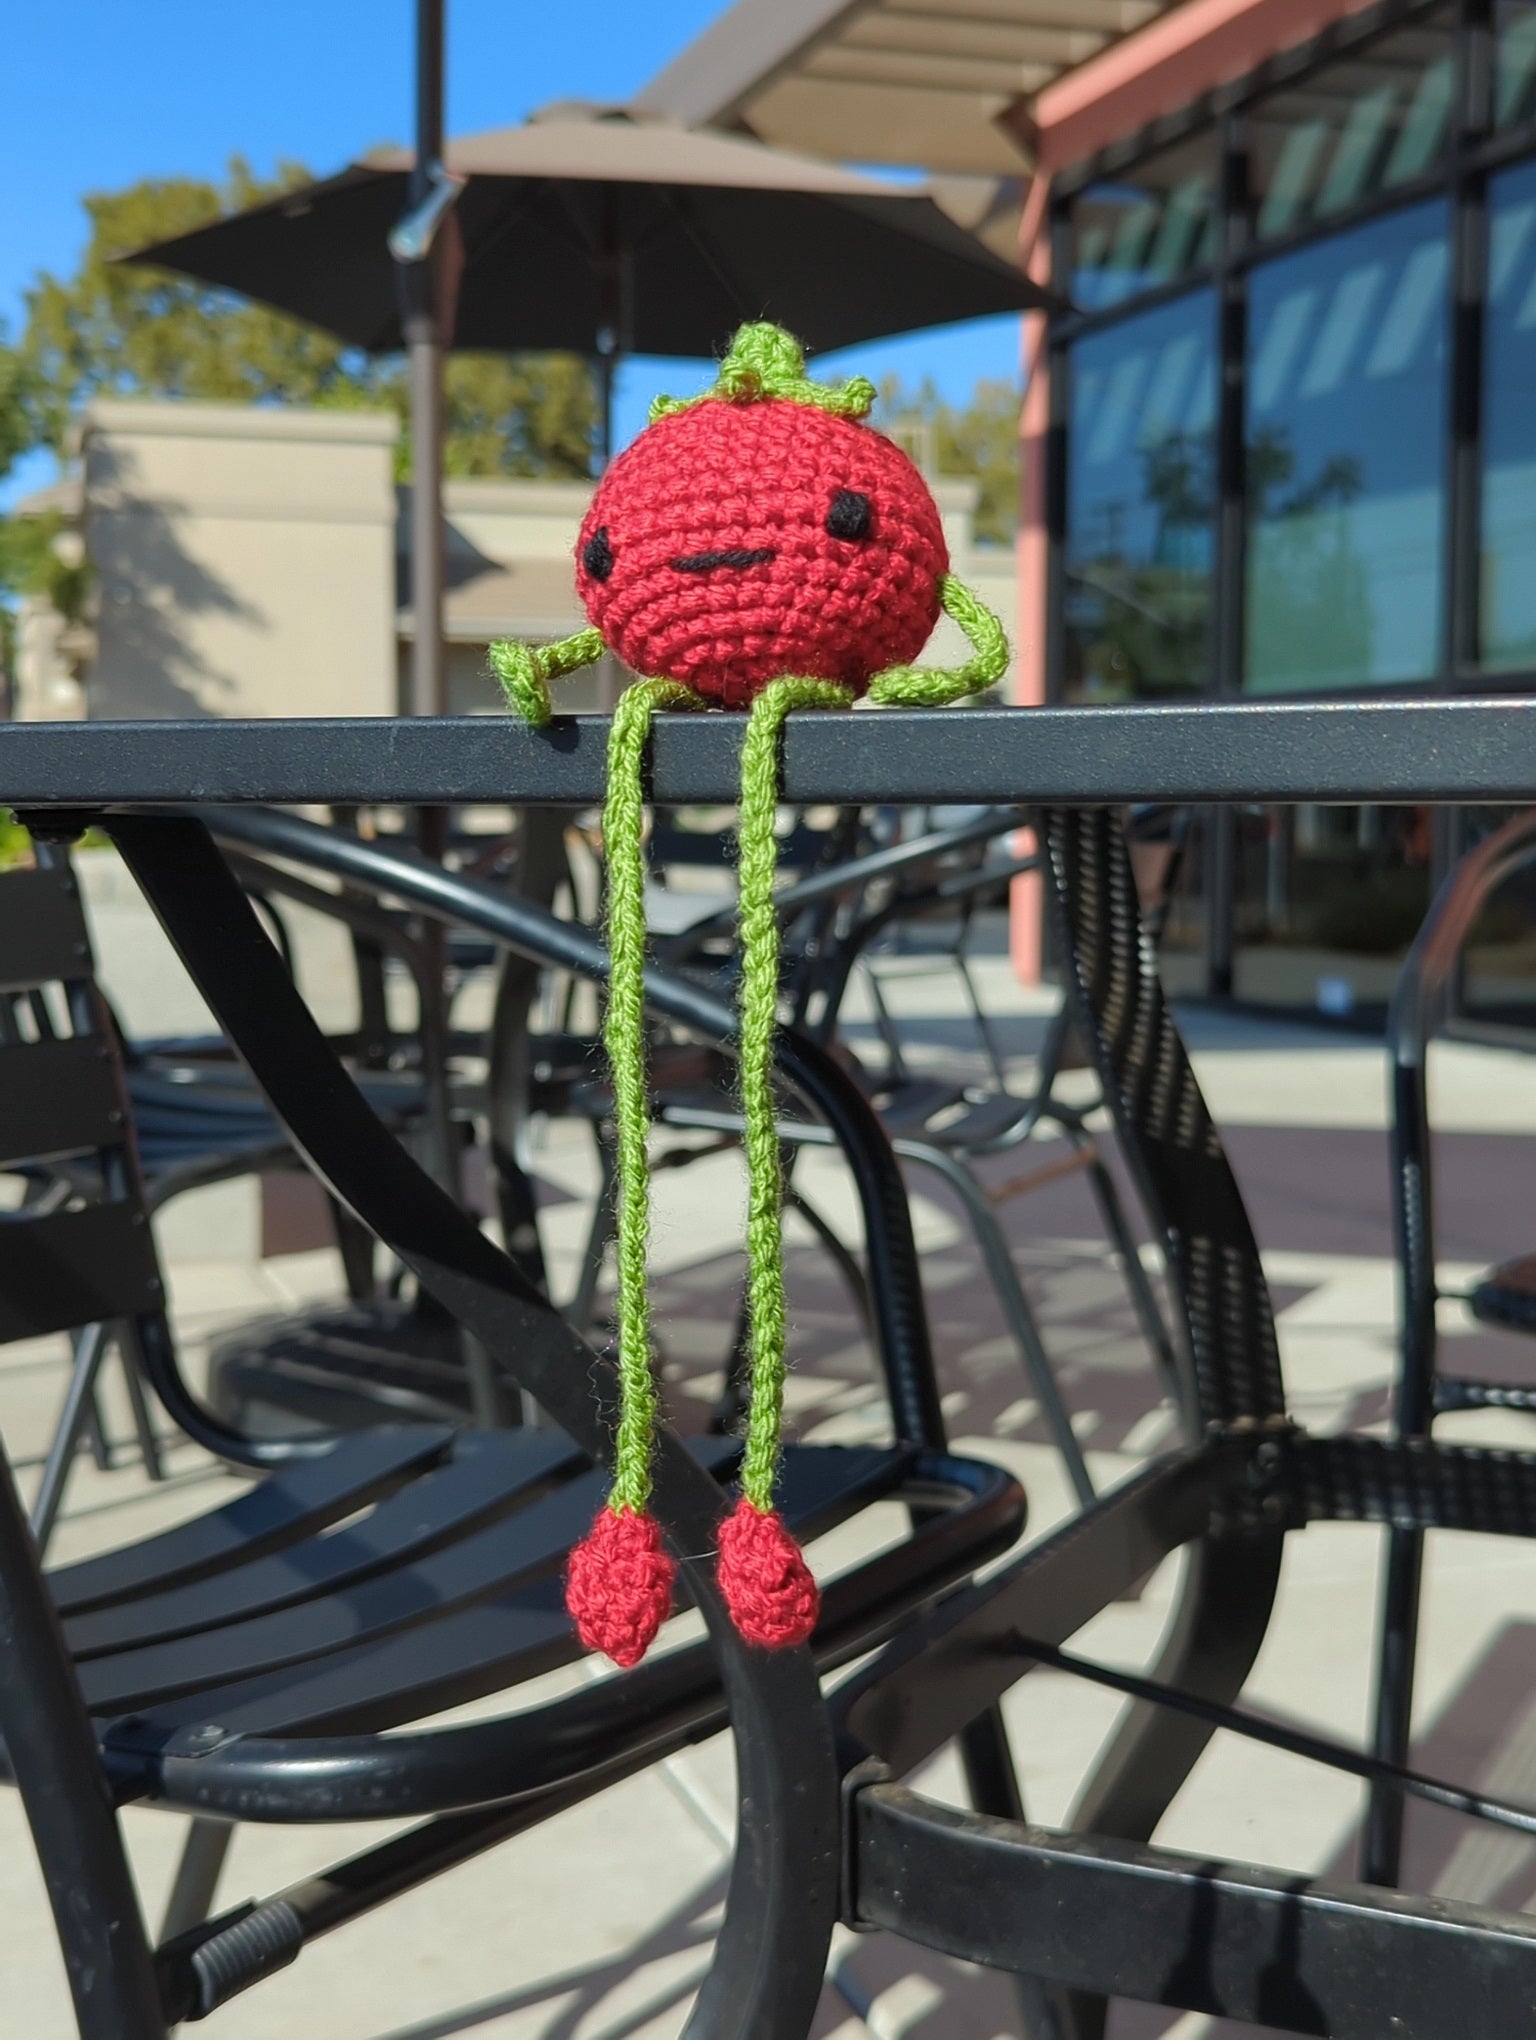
99, 94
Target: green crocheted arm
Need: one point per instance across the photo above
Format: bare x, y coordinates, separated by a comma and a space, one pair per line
931, 687
525, 671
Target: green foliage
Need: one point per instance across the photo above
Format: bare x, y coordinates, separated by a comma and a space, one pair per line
979, 440
31, 563
18, 406
521, 414
129, 331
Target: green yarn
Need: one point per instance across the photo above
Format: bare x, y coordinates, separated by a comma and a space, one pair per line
525, 671
932, 687
765, 361
624, 1039
758, 1013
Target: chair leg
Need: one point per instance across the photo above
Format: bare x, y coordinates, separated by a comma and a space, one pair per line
885, 1026
138, 1403
355, 1244
1381, 1848
736, 1386
79, 1404
992, 1785
1015, 1306
846, 1263
584, 1302
197, 1876
1217, 1628
94, 1432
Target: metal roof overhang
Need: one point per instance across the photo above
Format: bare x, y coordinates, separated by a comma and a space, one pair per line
889, 81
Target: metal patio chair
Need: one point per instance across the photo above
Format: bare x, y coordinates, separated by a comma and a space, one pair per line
245, 1665
56, 1088
198, 1120
1504, 1297
1097, 1911
387, 1352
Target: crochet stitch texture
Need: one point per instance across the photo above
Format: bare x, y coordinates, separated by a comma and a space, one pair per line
757, 547
728, 482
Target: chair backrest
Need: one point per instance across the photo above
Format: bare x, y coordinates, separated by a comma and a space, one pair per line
1165, 1128
77, 1248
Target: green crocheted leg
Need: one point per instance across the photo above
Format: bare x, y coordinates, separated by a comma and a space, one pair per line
525, 671
624, 1038
930, 687
759, 997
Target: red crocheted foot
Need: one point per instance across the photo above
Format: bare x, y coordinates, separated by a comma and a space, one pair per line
766, 1583
618, 1585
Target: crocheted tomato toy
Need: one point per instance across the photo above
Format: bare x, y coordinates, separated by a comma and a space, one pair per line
758, 547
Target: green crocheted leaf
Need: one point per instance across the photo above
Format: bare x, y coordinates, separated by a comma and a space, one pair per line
936, 687
764, 361
525, 671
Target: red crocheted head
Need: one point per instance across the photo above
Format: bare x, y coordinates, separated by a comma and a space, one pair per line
745, 537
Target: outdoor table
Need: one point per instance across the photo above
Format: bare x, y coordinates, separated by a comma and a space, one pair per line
1407, 749
1400, 749
61, 777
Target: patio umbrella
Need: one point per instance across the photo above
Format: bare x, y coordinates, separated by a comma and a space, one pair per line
599, 232
592, 230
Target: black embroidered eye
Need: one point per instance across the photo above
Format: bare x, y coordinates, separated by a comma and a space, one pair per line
850, 515
597, 554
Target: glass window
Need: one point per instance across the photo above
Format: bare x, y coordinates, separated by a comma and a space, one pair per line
1361, 126
1148, 227
1514, 77
1326, 902
1345, 458
1139, 505
1508, 622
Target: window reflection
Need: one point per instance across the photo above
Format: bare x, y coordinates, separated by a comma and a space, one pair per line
1364, 125
1150, 227
1345, 458
1139, 505
1514, 78
1508, 620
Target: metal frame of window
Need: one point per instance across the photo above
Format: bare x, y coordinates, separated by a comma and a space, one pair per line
1475, 151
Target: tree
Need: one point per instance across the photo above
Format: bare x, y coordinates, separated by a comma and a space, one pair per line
126, 331
979, 440
29, 561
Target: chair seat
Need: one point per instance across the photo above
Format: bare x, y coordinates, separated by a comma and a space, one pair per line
213, 1110
405, 1571
343, 1369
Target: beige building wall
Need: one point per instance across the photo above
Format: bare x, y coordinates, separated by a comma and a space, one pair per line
509, 564
254, 562
244, 560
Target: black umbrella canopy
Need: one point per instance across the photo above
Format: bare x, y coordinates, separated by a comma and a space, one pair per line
585, 229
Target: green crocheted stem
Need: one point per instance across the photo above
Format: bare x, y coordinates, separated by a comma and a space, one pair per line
525, 671
759, 1013
933, 687
624, 1039
765, 361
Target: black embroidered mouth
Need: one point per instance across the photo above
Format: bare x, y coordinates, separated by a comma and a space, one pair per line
700, 563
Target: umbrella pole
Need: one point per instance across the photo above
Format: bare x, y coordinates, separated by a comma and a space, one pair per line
429, 673
429, 676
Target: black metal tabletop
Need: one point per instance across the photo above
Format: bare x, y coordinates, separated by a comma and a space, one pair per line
1412, 749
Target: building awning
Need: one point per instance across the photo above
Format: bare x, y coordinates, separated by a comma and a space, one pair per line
889, 81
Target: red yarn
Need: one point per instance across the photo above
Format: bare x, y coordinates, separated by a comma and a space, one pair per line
766, 1583
618, 1585
750, 478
